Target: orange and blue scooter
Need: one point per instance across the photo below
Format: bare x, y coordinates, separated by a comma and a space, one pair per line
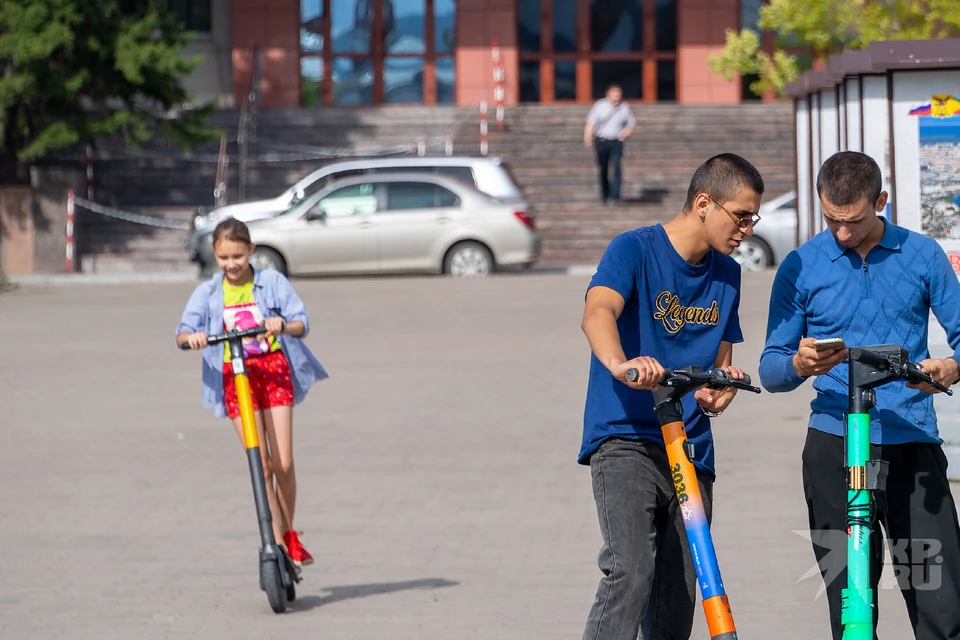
675, 384
278, 574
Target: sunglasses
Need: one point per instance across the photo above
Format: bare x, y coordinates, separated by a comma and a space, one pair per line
744, 222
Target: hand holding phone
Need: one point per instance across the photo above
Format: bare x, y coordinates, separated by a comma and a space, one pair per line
829, 344
817, 357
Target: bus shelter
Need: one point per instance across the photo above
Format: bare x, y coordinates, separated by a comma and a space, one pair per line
898, 102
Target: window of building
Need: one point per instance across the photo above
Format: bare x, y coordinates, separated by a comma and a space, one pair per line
194, 15
571, 50
770, 43
356, 52
749, 15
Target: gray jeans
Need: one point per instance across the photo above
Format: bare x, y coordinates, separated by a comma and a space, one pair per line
649, 584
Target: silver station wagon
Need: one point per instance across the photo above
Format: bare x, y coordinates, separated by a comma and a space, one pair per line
397, 223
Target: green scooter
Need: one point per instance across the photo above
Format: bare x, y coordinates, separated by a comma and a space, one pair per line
870, 367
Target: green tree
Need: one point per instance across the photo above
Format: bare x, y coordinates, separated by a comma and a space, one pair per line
75, 70
825, 27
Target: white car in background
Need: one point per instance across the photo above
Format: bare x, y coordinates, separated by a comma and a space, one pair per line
397, 223
774, 236
490, 175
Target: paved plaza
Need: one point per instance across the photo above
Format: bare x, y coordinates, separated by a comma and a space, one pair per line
438, 484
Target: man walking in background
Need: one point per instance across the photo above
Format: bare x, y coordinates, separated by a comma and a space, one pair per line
609, 123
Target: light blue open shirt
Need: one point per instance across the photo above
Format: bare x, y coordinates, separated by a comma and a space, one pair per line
274, 296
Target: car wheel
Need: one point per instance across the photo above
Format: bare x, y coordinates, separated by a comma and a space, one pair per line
468, 260
753, 254
266, 258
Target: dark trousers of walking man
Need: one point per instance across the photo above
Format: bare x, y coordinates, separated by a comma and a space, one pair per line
609, 153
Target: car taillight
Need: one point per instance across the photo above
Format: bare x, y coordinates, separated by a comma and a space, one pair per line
524, 217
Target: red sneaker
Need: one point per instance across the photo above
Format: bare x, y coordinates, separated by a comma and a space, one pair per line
295, 549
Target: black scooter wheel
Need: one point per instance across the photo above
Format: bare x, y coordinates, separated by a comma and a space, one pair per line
273, 585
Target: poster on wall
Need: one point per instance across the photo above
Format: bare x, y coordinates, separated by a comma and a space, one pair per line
939, 130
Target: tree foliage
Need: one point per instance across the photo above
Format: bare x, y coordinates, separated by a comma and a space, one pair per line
824, 27
75, 70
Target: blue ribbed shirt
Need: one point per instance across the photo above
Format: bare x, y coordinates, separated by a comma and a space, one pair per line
822, 290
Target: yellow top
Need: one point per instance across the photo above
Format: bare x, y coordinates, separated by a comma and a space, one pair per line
240, 312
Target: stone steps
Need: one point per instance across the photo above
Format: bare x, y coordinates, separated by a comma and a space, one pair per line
544, 146
110, 245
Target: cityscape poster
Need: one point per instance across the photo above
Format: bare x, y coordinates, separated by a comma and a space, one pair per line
940, 167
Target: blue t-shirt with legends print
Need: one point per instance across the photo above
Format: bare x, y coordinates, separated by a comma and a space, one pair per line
675, 312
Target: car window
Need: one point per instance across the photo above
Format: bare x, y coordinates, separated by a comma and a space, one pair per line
322, 183
447, 198
393, 169
463, 174
403, 196
348, 201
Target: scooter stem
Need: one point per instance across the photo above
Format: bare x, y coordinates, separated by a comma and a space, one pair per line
251, 442
857, 603
868, 370
716, 606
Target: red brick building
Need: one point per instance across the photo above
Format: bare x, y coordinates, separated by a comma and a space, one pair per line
318, 53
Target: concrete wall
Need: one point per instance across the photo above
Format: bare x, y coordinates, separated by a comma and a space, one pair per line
275, 25
702, 26
33, 221
479, 23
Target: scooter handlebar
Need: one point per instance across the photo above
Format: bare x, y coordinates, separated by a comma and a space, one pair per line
716, 378
869, 358
909, 372
225, 337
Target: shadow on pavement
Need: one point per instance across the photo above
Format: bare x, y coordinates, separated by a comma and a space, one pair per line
337, 594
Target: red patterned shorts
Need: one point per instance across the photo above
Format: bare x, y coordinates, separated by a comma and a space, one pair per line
270, 383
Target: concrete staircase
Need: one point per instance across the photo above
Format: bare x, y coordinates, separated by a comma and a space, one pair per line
543, 145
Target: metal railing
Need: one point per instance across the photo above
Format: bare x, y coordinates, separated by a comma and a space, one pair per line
220, 186
247, 128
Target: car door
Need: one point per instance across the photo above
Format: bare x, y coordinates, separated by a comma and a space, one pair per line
336, 235
412, 224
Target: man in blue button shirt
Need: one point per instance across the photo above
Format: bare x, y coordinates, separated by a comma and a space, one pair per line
663, 296
871, 282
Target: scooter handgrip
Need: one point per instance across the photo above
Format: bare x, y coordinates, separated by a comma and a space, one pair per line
868, 358
632, 375
726, 376
185, 346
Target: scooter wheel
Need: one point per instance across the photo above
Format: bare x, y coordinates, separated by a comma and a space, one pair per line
273, 585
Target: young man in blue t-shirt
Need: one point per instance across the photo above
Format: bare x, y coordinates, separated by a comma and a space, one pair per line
871, 282
664, 296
